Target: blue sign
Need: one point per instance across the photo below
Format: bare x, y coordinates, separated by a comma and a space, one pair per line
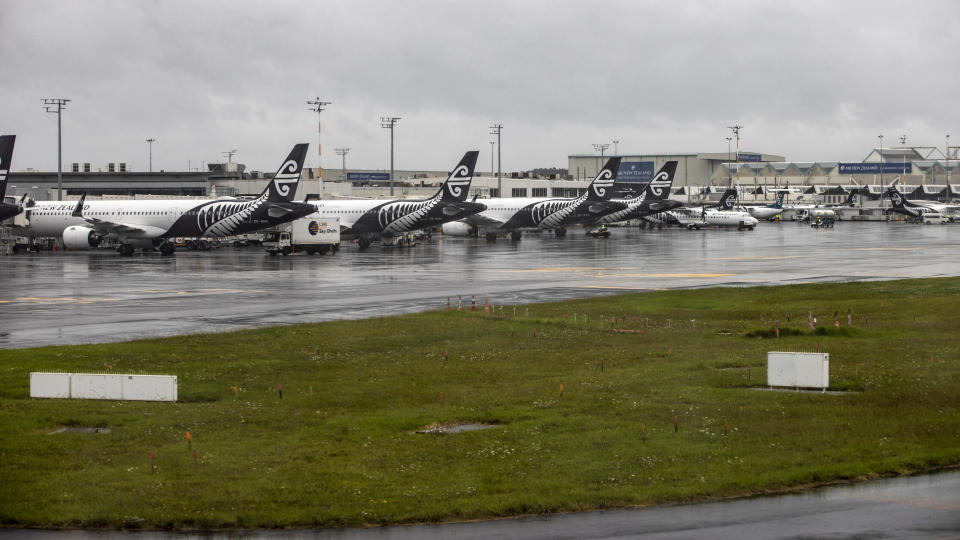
876, 168
635, 171
367, 176
748, 157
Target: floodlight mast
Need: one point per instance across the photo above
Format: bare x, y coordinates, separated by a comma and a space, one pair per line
736, 133
497, 128
56, 105
342, 152
317, 106
150, 142
388, 122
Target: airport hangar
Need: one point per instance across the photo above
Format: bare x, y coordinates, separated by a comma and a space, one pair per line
700, 176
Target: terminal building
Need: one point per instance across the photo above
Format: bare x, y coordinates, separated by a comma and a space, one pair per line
922, 172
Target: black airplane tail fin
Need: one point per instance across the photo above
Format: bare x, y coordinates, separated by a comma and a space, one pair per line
6, 155
779, 202
283, 186
851, 198
457, 184
896, 198
728, 200
78, 209
659, 186
599, 189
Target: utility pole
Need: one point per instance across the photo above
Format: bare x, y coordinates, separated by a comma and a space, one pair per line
388, 122
150, 146
317, 106
48, 105
497, 128
600, 148
342, 152
946, 165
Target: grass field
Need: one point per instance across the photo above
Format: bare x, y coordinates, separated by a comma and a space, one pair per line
340, 446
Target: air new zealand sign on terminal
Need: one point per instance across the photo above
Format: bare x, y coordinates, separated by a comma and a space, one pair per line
876, 168
635, 171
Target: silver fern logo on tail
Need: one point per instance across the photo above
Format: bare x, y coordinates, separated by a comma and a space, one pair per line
459, 179
288, 174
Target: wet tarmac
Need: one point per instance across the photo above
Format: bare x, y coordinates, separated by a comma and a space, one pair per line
923, 507
57, 298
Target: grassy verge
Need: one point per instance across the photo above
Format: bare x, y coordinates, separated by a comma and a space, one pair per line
339, 447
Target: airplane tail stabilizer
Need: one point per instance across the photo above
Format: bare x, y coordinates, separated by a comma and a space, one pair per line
728, 200
457, 185
659, 186
283, 186
6, 155
599, 189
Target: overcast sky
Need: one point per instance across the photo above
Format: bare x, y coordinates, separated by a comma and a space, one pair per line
808, 80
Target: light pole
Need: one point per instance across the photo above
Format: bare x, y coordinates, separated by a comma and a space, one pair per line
497, 129
491, 157
342, 152
150, 147
317, 106
600, 148
881, 167
48, 105
388, 122
946, 165
616, 150
903, 173
728, 160
736, 133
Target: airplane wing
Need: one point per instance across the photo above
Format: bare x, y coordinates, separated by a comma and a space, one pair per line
483, 220
123, 229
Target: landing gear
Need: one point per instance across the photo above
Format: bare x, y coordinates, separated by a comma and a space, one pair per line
560, 233
167, 248
515, 235
203, 245
126, 250
363, 242
491, 237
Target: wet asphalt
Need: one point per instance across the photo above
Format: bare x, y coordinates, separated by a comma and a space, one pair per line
84, 297
922, 507
57, 298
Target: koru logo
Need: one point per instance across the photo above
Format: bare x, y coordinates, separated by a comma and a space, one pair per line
659, 182
285, 176
458, 180
895, 197
602, 181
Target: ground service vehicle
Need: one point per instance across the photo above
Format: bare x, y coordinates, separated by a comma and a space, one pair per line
311, 234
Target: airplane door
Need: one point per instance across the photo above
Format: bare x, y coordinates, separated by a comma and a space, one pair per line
172, 215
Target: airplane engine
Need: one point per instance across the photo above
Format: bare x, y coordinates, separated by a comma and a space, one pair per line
78, 237
458, 228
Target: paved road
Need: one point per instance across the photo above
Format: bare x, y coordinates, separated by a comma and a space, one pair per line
82, 297
924, 507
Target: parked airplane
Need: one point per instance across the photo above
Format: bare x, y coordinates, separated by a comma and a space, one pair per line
368, 219
695, 219
7, 210
151, 223
919, 210
810, 212
768, 211
652, 200
516, 213
727, 202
